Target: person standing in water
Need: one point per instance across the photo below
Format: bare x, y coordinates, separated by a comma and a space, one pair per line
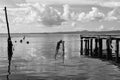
59, 43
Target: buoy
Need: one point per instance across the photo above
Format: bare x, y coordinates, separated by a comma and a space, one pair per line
15, 41
27, 42
20, 41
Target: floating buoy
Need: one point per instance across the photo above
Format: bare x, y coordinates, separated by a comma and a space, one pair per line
20, 41
15, 41
27, 42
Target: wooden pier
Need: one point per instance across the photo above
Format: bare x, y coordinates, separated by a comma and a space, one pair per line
87, 49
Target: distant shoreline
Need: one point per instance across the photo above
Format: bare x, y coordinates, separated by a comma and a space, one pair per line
115, 32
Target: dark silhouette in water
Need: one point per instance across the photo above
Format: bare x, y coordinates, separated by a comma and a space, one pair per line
9, 72
24, 38
58, 47
10, 49
21, 41
27, 42
10, 45
63, 50
15, 41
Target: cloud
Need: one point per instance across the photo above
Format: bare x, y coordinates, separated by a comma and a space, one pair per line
39, 13
30, 13
81, 16
110, 4
100, 28
93, 15
113, 15
66, 12
51, 16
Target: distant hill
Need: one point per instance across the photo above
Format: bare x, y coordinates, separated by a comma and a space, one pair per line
85, 32
114, 32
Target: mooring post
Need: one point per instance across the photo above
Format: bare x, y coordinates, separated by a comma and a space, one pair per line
117, 50
96, 48
10, 45
109, 52
88, 47
100, 48
91, 47
81, 46
63, 50
85, 50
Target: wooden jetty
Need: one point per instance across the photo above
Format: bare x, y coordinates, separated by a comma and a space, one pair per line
86, 46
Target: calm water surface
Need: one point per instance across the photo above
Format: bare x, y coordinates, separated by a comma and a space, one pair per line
35, 61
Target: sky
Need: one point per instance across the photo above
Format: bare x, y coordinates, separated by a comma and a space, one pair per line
39, 16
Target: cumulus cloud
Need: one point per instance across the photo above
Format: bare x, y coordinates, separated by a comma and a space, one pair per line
40, 13
66, 12
81, 16
94, 14
33, 13
113, 15
44, 14
69, 15
51, 16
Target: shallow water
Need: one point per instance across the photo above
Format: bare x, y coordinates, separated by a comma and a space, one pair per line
35, 61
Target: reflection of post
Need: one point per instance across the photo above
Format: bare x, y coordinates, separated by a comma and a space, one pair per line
10, 52
63, 49
8, 72
8, 77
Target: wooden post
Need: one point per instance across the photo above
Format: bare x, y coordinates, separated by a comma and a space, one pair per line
88, 47
100, 48
96, 48
91, 47
81, 47
63, 50
109, 53
85, 47
10, 45
117, 50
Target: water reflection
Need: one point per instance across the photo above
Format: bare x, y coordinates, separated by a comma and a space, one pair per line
9, 70
36, 61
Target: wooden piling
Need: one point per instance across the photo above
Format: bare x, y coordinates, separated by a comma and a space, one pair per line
63, 50
85, 50
81, 46
88, 47
10, 45
91, 47
100, 48
117, 51
109, 52
96, 48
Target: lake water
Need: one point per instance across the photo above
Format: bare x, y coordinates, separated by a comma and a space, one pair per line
35, 61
